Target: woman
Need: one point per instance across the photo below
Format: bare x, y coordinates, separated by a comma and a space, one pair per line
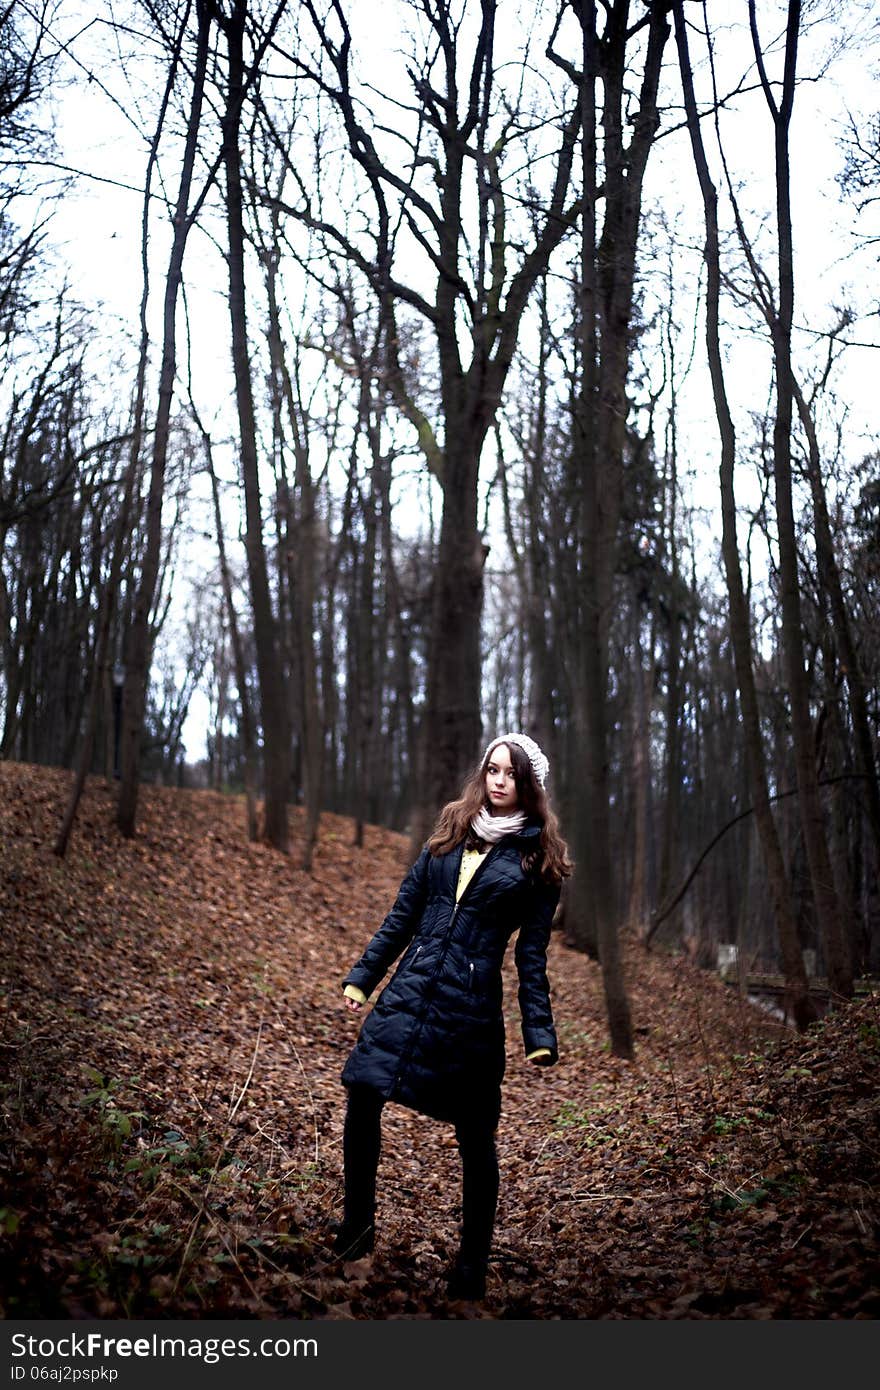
434, 1040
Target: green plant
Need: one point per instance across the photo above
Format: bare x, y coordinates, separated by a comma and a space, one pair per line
785, 1185
737, 1201
583, 1122
571, 1116
175, 1153
9, 1220
729, 1124
118, 1123
305, 1177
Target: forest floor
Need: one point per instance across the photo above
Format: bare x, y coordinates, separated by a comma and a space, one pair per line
172, 1036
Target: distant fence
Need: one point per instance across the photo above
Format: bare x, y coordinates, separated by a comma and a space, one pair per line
772, 987
769, 991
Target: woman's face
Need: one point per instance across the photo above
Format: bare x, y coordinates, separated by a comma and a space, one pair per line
501, 792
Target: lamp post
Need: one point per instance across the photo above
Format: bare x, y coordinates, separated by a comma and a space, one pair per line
118, 683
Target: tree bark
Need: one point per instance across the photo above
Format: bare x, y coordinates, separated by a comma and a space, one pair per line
246, 719
640, 766
301, 548
799, 1001
273, 703
491, 306
828, 907
608, 267
671, 831
140, 641
112, 587
829, 577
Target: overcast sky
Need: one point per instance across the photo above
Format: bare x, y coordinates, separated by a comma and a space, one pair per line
97, 230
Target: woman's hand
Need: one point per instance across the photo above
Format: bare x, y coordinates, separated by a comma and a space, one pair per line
354, 1004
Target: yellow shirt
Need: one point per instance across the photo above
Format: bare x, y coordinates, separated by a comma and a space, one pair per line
469, 861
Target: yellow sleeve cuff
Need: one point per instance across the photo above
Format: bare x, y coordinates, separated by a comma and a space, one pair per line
539, 1052
352, 992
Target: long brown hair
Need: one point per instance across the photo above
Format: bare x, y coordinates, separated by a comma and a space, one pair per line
453, 824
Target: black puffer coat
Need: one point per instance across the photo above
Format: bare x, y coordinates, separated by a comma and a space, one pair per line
434, 1040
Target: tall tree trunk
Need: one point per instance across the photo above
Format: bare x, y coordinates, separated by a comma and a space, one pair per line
480, 297
608, 266
273, 705
400, 675
367, 637
301, 520
671, 832
797, 989
829, 577
531, 563
140, 642
112, 587
587, 689
246, 720
828, 907
313, 723
453, 728
640, 767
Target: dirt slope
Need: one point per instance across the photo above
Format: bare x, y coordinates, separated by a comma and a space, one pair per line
172, 1035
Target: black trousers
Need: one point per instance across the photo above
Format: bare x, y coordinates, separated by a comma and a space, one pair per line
361, 1146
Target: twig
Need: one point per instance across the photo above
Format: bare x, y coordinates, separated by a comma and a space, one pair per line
859, 1219
217, 1221
801, 1236
859, 1140
733, 1193
549, 1135
706, 1054
609, 1196
233, 1112
234, 1257
668, 1056
305, 1078
196, 1222
276, 1143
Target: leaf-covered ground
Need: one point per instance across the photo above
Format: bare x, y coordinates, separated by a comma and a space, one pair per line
172, 1035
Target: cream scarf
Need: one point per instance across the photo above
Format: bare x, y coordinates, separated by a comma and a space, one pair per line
494, 828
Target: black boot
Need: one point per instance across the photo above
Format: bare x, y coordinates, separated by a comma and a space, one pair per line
476, 1142
467, 1281
352, 1240
361, 1144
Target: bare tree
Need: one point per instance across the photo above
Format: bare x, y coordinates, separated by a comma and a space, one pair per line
139, 646
842, 625
484, 273
246, 719
801, 1005
612, 180
273, 702
828, 906
298, 536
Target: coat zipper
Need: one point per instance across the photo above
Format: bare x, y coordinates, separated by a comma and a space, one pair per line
473, 878
428, 992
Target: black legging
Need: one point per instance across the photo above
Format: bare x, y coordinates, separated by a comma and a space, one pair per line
361, 1146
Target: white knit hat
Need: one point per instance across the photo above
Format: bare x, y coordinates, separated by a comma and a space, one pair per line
537, 758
